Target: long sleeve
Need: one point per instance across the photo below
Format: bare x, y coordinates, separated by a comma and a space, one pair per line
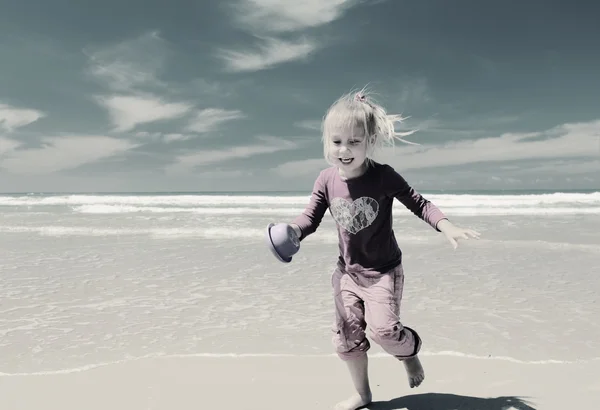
412, 200
311, 218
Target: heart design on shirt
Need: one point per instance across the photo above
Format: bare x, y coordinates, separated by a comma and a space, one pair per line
354, 216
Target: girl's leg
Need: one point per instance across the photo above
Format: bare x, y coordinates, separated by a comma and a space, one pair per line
359, 372
383, 296
350, 340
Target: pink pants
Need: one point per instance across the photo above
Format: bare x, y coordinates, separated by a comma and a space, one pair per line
373, 300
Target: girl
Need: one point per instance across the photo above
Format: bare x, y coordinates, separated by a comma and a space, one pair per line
368, 279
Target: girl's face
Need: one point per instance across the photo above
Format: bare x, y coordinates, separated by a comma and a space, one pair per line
348, 150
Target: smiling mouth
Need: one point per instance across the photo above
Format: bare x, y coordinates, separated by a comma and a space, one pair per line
346, 161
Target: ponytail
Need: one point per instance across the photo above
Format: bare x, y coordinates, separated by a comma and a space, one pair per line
357, 109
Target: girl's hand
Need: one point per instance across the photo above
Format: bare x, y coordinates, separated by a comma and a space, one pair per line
296, 229
453, 233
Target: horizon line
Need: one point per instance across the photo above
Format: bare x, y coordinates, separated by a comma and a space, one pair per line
303, 192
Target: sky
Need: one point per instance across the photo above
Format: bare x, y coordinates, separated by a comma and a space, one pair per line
228, 95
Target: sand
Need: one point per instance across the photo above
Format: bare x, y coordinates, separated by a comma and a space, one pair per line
508, 322
288, 382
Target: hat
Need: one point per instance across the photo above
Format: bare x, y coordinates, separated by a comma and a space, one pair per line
283, 241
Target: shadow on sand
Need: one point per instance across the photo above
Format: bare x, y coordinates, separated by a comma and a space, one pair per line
441, 401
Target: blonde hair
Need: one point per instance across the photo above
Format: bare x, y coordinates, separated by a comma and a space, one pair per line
358, 108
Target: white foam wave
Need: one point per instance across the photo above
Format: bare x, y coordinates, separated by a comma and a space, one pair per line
254, 234
196, 200
119, 209
224, 233
399, 209
92, 366
517, 200
525, 211
152, 200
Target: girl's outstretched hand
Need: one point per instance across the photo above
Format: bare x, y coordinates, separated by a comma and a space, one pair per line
453, 233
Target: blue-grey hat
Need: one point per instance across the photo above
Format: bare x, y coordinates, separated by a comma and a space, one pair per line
283, 241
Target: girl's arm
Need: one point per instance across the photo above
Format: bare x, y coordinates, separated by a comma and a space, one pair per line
397, 187
426, 210
308, 222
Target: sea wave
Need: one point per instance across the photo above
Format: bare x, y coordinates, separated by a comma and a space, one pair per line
198, 200
466, 204
288, 211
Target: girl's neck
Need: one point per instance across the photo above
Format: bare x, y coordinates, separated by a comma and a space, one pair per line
355, 173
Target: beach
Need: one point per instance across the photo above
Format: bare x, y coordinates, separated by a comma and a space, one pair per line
163, 301
271, 382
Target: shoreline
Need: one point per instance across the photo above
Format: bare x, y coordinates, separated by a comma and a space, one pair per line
372, 356
301, 382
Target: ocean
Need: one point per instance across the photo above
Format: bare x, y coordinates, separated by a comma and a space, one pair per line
89, 279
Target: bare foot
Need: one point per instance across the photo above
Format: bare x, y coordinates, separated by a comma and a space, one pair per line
358, 368
355, 402
414, 371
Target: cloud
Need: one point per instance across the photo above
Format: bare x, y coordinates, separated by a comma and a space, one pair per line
219, 174
264, 18
577, 140
133, 65
153, 136
312, 125
204, 121
7, 145
176, 137
12, 118
565, 167
159, 136
62, 153
466, 125
415, 91
129, 64
209, 119
127, 67
285, 16
267, 145
128, 111
445, 129
302, 167
567, 141
270, 52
